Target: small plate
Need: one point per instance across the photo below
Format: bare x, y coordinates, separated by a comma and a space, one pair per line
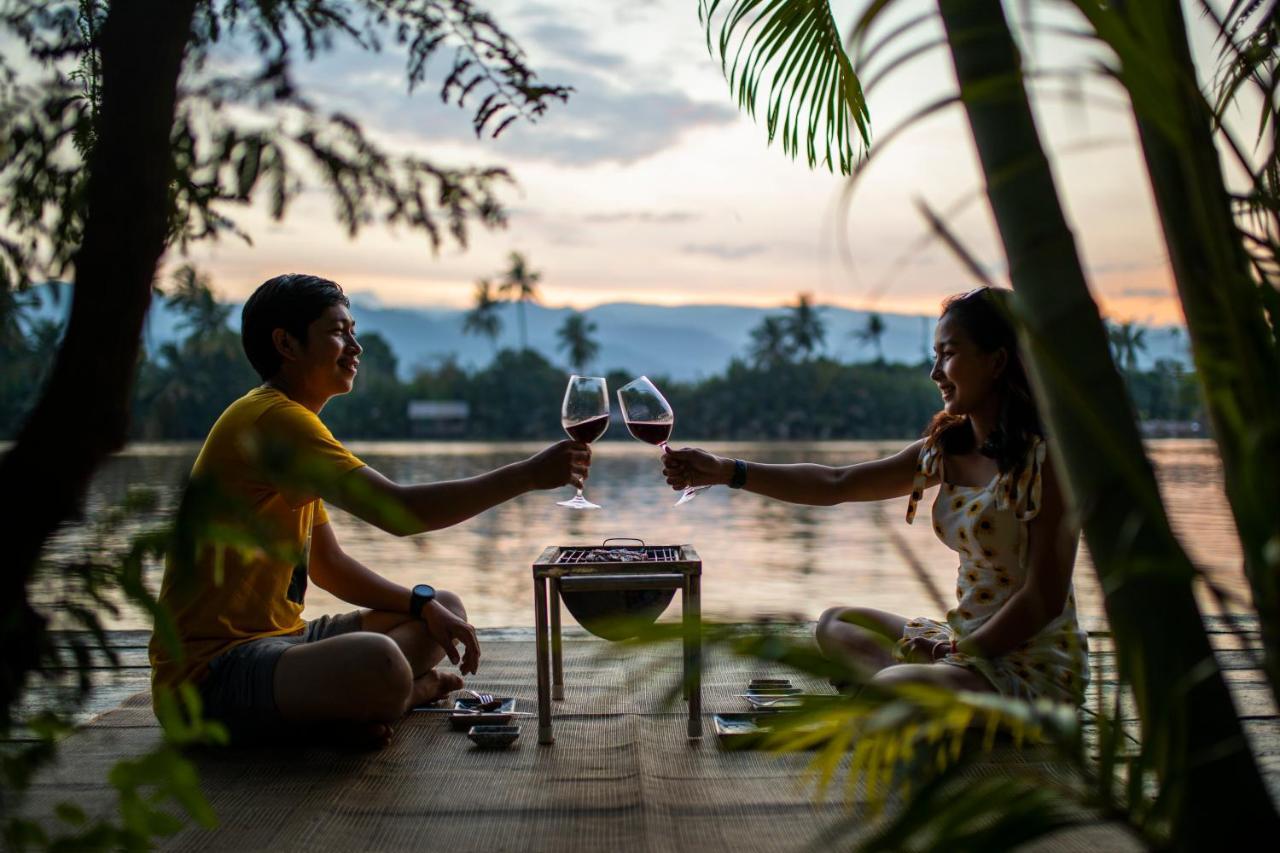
464, 717
741, 731
784, 702
748, 730
494, 737
470, 703
763, 683
773, 691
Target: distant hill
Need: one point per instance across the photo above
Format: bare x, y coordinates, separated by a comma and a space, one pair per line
683, 342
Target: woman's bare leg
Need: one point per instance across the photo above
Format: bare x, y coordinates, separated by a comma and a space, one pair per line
859, 637
939, 674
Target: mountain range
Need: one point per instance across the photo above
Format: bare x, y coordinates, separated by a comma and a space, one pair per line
683, 342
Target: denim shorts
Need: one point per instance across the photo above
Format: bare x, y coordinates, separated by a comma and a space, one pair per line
240, 689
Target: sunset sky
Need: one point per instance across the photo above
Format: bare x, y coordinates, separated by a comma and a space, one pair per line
651, 186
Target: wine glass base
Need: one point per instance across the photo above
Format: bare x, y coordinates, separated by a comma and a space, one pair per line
578, 502
690, 493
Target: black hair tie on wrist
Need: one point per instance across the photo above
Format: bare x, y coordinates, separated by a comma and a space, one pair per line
739, 474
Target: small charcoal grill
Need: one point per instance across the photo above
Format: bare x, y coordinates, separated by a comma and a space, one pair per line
615, 591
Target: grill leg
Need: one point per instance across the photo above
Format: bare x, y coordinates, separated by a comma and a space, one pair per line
684, 626
545, 735
693, 652
557, 660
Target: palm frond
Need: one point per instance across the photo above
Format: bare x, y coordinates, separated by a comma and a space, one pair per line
967, 259
813, 92
864, 53
902, 60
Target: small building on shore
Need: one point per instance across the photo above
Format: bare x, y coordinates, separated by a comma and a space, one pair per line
1172, 429
439, 418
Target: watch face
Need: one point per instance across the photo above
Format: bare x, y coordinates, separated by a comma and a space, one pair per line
423, 590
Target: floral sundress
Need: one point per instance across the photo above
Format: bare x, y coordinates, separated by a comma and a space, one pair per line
987, 527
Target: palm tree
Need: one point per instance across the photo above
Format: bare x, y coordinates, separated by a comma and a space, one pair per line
771, 342
193, 297
520, 284
805, 326
575, 339
872, 333
483, 319
1127, 340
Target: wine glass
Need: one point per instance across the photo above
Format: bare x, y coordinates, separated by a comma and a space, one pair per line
585, 417
650, 418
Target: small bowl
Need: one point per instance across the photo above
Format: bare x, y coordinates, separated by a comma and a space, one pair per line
494, 737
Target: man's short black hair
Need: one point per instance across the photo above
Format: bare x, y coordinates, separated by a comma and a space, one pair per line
290, 302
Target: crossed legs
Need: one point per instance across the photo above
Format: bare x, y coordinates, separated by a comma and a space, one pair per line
371, 676
863, 639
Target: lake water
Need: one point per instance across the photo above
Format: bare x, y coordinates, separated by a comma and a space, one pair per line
759, 556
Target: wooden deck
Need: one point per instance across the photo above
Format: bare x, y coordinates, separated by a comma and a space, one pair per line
621, 775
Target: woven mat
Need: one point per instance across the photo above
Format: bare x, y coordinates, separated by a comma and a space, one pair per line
621, 775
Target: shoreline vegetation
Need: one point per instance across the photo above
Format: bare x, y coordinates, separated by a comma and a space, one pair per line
780, 389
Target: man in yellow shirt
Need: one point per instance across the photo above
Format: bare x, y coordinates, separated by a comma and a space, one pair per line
253, 532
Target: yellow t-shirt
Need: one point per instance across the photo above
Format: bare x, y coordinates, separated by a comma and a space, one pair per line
251, 505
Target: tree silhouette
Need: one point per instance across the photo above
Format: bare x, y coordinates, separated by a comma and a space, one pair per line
193, 298
105, 168
483, 318
805, 326
520, 284
872, 333
1127, 340
771, 342
576, 341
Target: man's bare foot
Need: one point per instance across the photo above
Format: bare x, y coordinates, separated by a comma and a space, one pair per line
434, 686
372, 735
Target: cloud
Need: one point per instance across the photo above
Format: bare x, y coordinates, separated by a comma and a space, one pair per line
571, 43
722, 251
616, 113
665, 217
1133, 265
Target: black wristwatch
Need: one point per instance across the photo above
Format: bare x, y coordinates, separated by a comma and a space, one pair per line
739, 478
419, 597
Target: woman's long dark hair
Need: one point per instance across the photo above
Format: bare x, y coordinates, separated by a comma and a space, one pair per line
983, 320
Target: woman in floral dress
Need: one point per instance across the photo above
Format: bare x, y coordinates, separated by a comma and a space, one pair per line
1013, 629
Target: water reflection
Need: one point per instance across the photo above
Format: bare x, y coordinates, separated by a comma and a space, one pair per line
759, 556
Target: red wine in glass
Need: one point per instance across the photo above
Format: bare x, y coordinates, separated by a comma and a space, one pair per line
651, 432
584, 416
588, 431
650, 419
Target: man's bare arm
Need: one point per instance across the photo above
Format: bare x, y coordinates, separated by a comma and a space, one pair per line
335, 571
404, 510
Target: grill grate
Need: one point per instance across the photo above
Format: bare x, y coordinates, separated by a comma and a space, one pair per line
630, 554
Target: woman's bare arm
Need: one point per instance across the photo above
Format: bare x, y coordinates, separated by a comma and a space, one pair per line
801, 483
